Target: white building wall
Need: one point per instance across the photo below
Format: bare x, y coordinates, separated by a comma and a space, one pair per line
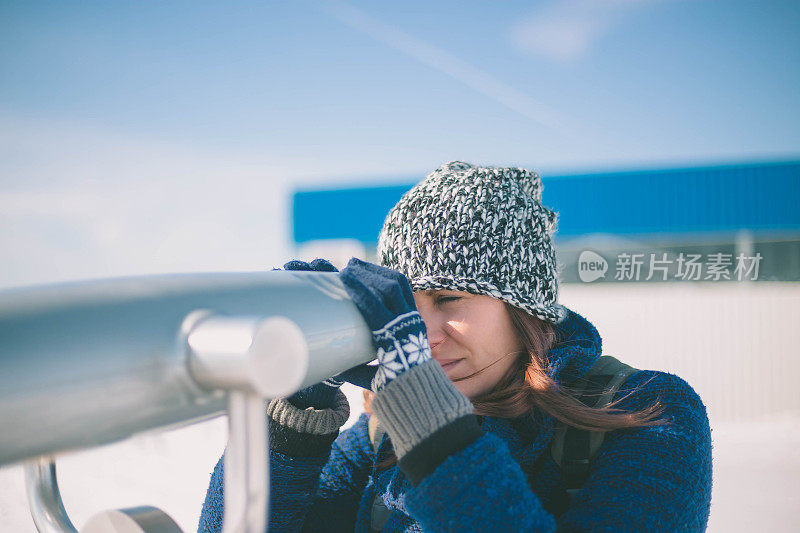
737, 344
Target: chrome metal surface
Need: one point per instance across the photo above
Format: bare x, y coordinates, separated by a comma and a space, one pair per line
252, 359
267, 357
84, 364
44, 498
246, 465
132, 520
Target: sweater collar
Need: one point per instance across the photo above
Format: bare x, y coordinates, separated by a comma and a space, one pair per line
576, 348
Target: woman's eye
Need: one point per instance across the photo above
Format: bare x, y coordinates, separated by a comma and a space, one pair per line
446, 299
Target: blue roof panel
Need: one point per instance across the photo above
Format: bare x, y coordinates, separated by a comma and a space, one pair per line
755, 196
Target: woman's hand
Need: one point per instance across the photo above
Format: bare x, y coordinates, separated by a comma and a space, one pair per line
416, 403
385, 300
321, 395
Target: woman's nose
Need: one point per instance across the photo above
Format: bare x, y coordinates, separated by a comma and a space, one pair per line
432, 321
433, 326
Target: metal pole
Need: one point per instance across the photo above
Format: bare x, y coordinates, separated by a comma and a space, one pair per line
44, 498
246, 466
253, 359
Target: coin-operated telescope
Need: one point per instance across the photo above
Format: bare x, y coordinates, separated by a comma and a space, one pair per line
86, 364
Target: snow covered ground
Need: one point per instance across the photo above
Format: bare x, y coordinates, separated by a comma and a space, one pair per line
756, 475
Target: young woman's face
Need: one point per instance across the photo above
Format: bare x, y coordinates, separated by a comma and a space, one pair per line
468, 332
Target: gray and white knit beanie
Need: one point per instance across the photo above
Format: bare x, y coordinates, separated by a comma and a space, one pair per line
481, 230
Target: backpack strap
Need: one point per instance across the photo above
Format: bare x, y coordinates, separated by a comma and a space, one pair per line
571, 448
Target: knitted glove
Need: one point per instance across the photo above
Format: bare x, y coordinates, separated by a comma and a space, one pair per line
308, 422
321, 395
425, 416
384, 298
360, 376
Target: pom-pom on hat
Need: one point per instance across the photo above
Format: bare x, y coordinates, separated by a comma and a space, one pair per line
481, 230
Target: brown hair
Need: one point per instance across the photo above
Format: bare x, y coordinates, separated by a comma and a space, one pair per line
526, 385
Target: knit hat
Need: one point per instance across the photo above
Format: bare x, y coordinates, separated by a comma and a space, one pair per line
481, 230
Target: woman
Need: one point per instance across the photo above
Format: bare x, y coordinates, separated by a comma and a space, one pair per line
479, 366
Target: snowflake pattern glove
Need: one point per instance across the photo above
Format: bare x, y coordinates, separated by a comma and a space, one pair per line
415, 401
401, 345
385, 300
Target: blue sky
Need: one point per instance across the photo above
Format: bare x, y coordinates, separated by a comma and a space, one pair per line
159, 136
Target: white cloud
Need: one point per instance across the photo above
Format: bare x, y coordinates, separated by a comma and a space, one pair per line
82, 201
449, 64
567, 30
79, 202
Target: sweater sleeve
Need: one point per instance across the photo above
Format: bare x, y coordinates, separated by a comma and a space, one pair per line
644, 479
316, 492
342, 481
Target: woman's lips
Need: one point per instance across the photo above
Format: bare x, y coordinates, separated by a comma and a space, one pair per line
447, 364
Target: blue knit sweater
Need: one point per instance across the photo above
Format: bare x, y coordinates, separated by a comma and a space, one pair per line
644, 479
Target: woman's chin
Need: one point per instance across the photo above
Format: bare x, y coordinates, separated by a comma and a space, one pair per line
465, 388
